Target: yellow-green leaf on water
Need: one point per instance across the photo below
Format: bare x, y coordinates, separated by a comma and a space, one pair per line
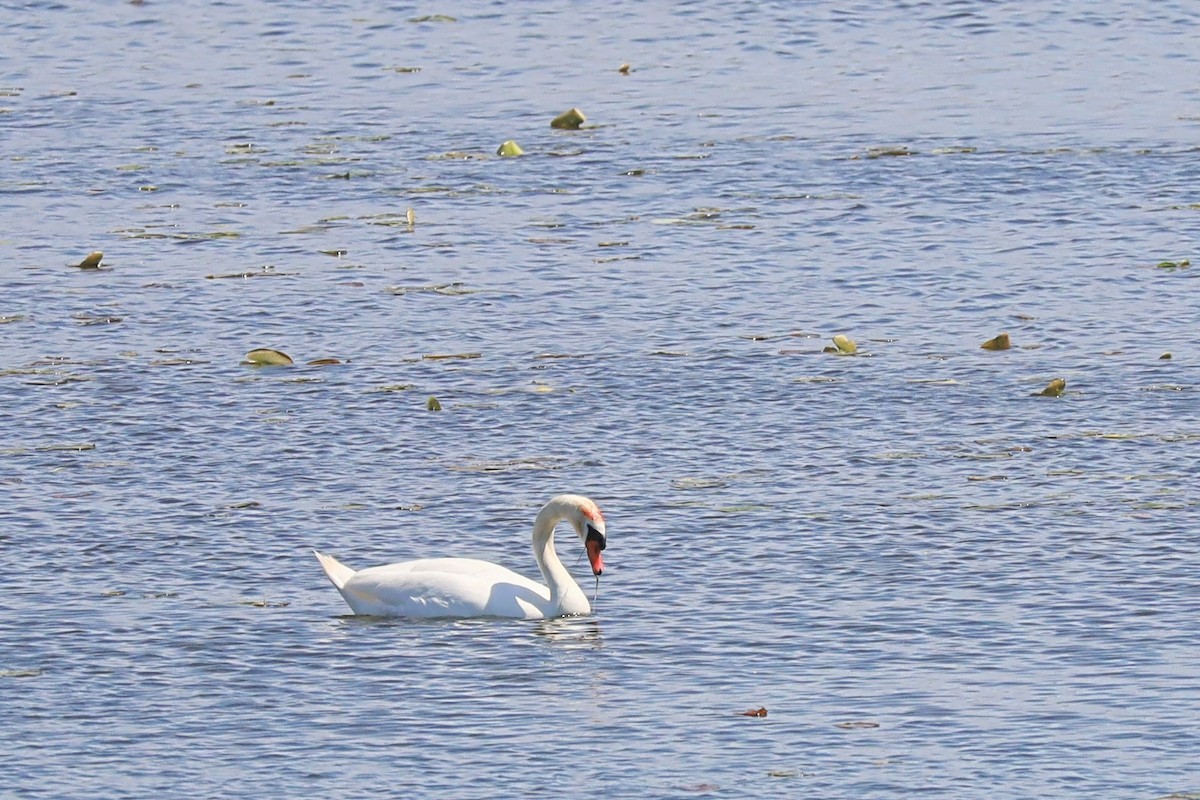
845, 345
509, 149
410, 217
1000, 342
266, 357
450, 356
92, 261
1180, 264
324, 362
20, 673
624, 69
1054, 388
432, 404
395, 387
1164, 357
4, 320
569, 120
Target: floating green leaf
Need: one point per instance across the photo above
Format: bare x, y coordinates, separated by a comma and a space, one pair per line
20, 673
569, 120
266, 357
845, 345
450, 356
1054, 388
92, 261
509, 149
1000, 342
432, 404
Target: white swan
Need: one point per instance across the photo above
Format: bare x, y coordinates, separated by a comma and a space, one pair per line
468, 587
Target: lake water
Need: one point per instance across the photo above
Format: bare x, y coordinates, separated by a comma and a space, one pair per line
938, 583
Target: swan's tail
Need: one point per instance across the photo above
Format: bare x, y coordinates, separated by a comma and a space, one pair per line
338, 572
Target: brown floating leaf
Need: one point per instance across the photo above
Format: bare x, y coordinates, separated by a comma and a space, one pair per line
624, 69
856, 725
432, 404
266, 357
1054, 388
324, 362
92, 261
761, 711
1000, 342
569, 120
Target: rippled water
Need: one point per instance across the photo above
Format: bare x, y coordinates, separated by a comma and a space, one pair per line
937, 583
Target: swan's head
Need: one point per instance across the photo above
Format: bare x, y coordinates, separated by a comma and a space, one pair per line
589, 524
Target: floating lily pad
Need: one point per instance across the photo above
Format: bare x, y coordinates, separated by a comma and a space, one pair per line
395, 387
1174, 265
624, 69
1000, 342
324, 362
1163, 357
266, 357
569, 120
432, 404
5, 319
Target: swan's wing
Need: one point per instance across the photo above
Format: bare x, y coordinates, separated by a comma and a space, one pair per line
445, 587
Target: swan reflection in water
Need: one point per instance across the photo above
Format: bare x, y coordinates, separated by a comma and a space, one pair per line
570, 633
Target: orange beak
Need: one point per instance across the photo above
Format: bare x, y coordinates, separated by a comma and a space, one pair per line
593, 551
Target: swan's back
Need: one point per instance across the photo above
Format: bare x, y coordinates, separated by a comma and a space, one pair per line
443, 587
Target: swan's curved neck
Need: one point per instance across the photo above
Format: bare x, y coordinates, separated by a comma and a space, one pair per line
563, 587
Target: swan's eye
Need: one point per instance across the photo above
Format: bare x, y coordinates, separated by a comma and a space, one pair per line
594, 535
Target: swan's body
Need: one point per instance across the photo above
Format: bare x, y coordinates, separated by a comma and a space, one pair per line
468, 587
